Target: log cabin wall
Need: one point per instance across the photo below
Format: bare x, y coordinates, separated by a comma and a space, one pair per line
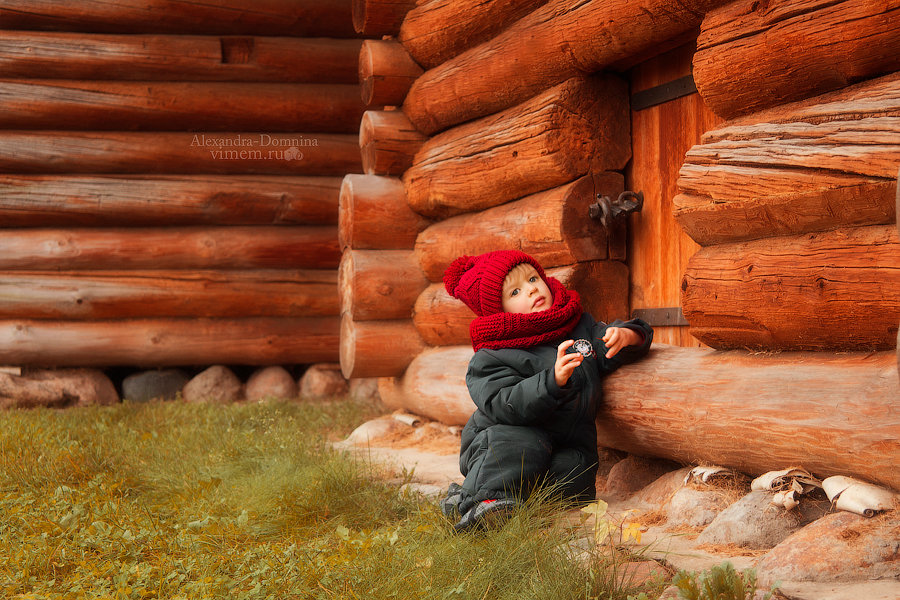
769, 204
169, 180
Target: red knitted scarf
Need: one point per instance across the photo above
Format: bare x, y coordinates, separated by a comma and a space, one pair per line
514, 330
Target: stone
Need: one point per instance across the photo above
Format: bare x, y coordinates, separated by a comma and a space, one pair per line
632, 574
692, 507
633, 473
271, 383
57, 388
839, 547
753, 522
660, 491
371, 431
323, 381
160, 384
670, 593
364, 389
215, 385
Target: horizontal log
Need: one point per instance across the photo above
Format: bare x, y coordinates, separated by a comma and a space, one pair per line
838, 290
170, 342
102, 295
170, 248
809, 166
379, 284
789, 49
433, 386
379, 17
300, 18
553, 226
834, 414
387, 142
78, 200
442, 320
437, 30
374, 214
177, 57
178, 153
386, 72
560, 40
563, 133
167, 106
377, 348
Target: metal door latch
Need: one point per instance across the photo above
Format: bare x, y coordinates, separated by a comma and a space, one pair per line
610, 210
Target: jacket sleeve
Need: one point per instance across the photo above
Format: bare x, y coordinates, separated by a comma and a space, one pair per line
508, 397
628, 354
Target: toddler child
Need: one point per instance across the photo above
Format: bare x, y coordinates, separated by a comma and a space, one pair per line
535, 379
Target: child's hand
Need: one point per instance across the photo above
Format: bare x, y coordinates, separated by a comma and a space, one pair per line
565, 363
617, 338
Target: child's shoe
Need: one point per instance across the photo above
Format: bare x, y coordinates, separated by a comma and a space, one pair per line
486, 513
450, 502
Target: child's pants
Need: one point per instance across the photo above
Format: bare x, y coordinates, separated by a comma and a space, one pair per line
506, 461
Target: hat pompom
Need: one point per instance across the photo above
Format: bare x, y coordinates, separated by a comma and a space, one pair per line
455, 272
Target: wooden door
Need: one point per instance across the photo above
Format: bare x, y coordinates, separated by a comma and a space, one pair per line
658, 249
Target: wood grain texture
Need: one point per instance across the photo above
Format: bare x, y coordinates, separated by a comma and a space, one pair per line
168, 153
436, 30
170, 248
170, 342
560, 40
300, 18
374, 214
834, 414
80, 200
387, 142
553, 226
52, 55
167, 106
100, 295
658, 248
386, 72
379, 284
837, 290
434, 386
814, 165
442, 320
377, 348
753, 55
561, 134
379, 17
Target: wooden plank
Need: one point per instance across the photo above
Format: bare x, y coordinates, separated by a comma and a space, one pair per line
386, 72
752, 56
553, 226
435, 31
79, 200
576, 127
24, 54
387, 142
837, 290
560, 40
379, 17
379, 284
166, 106
374, 214
166, 153
170, 248
170, 342
100, 295
659, 250
300, 18
813, 165
377, 348
835, 414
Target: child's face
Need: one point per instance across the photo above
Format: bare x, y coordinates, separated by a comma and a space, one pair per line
524, 291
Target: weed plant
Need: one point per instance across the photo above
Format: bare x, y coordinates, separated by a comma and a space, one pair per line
178, 501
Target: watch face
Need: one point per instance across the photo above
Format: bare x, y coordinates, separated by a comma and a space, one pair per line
583, 347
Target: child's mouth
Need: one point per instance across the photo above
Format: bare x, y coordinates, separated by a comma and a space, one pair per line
538, 303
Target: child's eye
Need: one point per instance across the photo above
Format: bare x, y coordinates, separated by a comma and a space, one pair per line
515, 292
533, 279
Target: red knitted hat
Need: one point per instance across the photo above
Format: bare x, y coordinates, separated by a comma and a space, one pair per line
478, 280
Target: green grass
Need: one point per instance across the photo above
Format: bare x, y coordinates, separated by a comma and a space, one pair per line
170, 500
